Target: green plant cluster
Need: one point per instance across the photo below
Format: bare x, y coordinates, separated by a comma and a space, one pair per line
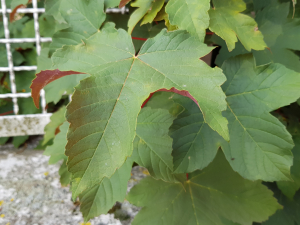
221, 144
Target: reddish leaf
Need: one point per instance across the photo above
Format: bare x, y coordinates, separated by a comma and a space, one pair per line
45, 77
123, 3
14, 11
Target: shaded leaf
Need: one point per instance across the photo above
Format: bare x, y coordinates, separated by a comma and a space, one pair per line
19, 140
289, 188
211, 194
227, 21
152, 146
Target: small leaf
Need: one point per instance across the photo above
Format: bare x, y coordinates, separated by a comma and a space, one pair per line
227, 21
57, 150
19, 140
138, 14
56, 120
151, 14
210, 195
190, 15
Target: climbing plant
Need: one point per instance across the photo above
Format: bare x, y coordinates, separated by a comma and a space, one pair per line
221, 143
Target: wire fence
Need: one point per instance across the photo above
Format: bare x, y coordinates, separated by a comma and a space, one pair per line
18, 125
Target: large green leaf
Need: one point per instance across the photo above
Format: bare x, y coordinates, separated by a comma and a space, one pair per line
260, 146
227, 21
84, 19
105, 106
208, 196
101, 197
190, 15
152, 146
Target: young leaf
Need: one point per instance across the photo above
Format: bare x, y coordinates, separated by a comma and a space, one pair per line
138, 14
152, 146
123, 3
101, 197
227, 21
211, 194
190, 15
57, 150
109, 101
289, 188
260, 146
52, 128
155, 8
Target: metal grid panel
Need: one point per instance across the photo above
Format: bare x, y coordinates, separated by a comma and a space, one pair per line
18, 125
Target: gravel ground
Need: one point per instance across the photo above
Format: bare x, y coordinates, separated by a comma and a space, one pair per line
30, 192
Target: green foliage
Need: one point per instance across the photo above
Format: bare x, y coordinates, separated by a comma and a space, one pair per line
208, 136
210, 194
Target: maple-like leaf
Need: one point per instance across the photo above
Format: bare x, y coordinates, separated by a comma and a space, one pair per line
52, 128
208, 196
227, 21
190, 15
281, 35
152, 146
105, 106
84, 19
260, 146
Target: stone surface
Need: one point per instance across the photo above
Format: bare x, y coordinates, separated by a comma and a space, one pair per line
30, 193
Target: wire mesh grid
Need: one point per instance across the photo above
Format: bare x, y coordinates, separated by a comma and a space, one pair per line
17, 125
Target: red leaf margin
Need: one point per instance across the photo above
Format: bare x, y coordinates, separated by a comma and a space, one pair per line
47, 76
